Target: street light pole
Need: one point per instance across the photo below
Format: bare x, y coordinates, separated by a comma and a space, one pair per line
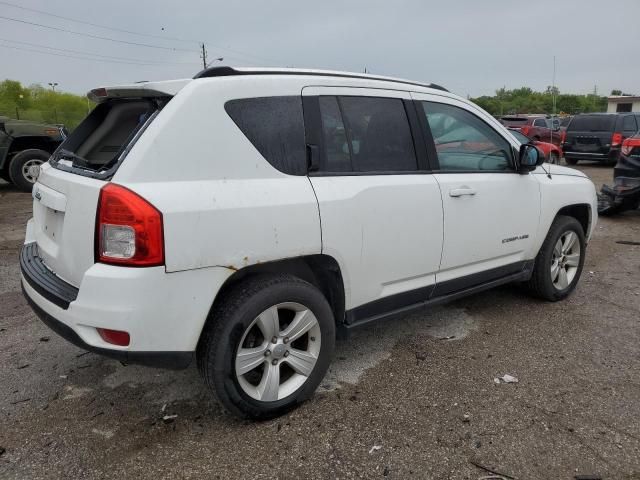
53, 86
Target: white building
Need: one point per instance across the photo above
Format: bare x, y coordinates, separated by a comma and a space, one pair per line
623, 103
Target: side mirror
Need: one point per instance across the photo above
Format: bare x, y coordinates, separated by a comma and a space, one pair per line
529, 158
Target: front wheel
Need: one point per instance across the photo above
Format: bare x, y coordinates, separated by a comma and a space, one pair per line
267, 345
25, 168
559, 263
571, 161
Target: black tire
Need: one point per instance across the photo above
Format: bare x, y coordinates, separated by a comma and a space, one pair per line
232, 316
18, 162
571, 161
541, 283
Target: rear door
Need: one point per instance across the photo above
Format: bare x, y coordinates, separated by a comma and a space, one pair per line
491, 212
380, 208
541, 130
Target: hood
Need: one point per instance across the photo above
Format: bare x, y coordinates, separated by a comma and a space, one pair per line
559, 170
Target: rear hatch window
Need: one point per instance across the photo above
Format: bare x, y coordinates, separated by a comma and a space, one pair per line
99, 144
514, 121
592, 123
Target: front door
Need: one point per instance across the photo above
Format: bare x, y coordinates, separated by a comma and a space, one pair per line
491, 212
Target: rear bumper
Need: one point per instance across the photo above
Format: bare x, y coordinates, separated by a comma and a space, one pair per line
164, 313
170, 360
598, 157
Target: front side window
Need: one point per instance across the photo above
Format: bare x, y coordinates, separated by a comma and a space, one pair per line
275, 127
464, 142
540, 122
366, 134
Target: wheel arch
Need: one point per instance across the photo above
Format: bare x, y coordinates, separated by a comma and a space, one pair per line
18, 144
581, 212
322, 271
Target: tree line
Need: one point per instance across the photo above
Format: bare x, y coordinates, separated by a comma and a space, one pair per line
525, 100
40, 104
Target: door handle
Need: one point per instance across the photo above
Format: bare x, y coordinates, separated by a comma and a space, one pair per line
459, 192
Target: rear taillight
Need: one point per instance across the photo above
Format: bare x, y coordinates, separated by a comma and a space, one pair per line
563, 136
128, 229
629, 144
616, 139
114, 337
525, 130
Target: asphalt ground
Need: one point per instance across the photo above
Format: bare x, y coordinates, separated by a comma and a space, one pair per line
413, 398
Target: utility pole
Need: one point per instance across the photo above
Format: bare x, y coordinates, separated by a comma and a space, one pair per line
203, 55
553, 86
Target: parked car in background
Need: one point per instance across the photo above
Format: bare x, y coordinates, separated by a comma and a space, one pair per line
24, 146
598, 136
552, 153
537, 127
241, 218
625, 192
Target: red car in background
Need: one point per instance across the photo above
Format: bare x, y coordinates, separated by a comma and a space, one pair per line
551, 152
537, 127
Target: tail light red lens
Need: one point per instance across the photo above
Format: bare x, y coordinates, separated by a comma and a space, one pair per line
629, 144
525, 130
616, 139
563, 136
114, 337
128, 229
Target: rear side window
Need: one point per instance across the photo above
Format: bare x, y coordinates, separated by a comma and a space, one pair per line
540, 122
592, 123
275, 127
629, 125
366, 134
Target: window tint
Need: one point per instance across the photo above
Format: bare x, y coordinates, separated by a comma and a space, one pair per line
539, 122
336, 148
274, 125
374, 135
629, 124
464, 142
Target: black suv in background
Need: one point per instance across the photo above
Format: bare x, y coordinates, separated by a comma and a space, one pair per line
598, 136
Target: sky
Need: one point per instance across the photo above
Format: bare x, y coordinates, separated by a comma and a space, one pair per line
471, 47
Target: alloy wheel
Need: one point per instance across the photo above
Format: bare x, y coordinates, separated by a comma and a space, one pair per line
565, 260
31, 170
278, 352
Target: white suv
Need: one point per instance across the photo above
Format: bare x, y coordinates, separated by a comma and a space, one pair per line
246, 216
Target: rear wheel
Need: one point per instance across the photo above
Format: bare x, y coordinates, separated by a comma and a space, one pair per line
559, 263
571, 161
25, 168
267, 345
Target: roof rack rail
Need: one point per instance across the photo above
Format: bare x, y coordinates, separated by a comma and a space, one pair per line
230, 71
